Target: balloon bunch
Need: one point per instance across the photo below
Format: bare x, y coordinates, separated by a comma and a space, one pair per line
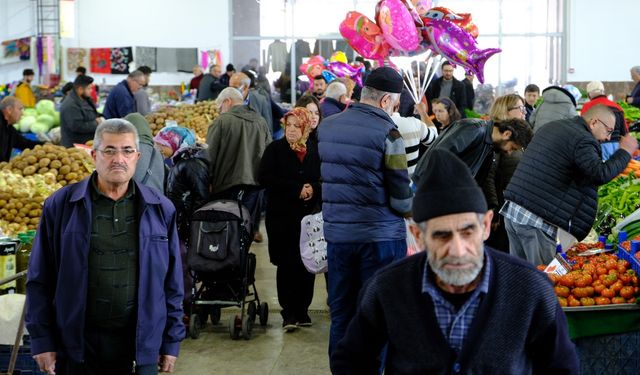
411, 27
336, 67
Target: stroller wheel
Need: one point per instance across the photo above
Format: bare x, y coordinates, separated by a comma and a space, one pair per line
251, 311
264, 314
194, 326
215, 315
247, 327
235, 324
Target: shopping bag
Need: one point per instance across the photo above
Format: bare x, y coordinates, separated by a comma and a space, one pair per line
313, 247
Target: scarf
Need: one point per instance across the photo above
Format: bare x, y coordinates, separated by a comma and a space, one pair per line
304, 121
175, 137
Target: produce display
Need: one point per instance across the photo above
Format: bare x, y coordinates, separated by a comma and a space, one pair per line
193, 116
40, 119
617, 199
601, 279
631, 113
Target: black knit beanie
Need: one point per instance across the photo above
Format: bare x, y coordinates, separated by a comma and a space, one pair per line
446, 188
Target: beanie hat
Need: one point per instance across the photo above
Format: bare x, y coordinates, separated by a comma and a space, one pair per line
82, 81
446, 188
385, 79
564, 91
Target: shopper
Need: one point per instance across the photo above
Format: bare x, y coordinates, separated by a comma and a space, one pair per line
634, 97
210, 85
447, 86
365, 192
106, 299
150, 169
457, 307
243, 83
475, 141
172, 138
557, 104
335, 99
553, 192
78, 115
415, 132
24, 92
10, 113
597, 95
507, 107
237, 139
468, 90
229, 71
121, 101
194, 84
531, 95
319, 86
445, 112
313, 105
143, 104
92, 89
290, 173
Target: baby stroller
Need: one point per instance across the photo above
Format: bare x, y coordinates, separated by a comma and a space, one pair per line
219, 259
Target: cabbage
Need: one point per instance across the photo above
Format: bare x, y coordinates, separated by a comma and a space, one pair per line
45, 106
56, 118
30, 112
25, 123
45, 119
39, 127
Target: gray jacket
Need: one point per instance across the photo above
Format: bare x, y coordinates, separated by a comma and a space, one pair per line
558, 104
77, 120
150, 168
143, 104
262, 105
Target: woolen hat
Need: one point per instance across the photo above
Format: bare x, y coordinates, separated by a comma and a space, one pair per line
82, 81
446, 188
595, 86
385, 79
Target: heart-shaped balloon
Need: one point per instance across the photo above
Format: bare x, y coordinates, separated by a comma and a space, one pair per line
397, 25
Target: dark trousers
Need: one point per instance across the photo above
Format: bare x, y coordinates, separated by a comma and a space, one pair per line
107, 352
295, 290
350, 266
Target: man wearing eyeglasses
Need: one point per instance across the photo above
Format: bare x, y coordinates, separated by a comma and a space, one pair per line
121, 100
105, 279
552, 195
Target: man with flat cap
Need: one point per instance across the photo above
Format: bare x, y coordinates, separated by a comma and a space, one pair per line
365, 193
78, 116
458, 307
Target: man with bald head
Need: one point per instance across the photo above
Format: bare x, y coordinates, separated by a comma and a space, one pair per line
10, 113
553, 192
245, 83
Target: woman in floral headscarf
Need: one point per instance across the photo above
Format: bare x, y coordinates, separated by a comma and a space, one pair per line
290, 172
172, 138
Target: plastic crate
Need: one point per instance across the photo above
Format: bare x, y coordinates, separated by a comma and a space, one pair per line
609, 354
25, 365
623, 254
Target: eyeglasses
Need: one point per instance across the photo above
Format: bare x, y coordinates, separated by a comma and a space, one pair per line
110, 152
609, 130
520, 107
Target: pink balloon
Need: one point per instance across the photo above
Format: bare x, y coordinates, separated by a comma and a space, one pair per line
461, 19
313, 67
397, 25
364, 36
341, 69
458, 46
418, 8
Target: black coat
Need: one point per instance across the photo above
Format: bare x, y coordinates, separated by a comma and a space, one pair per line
458, 94
559, 173
283, 175
188, 185
10, 138
77, 120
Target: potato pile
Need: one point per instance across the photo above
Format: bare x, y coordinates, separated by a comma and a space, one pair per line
193, 116
68, 165
21, 200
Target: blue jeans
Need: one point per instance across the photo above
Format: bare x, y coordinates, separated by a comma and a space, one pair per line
350, 266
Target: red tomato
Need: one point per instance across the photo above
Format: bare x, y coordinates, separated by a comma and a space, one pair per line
562, 301
608, 293
573, 302
611, 264
618, 300
541, 267
561, 291
584, 280
601, 270
554, 278
567, 280
626, 292
590, 290
610, 280
579, 292
602, 301
599, 288
587, 301
617, 286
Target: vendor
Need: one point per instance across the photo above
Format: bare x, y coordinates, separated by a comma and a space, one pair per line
10, 113
24, 91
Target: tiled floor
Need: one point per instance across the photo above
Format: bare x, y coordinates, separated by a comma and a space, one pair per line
270, 351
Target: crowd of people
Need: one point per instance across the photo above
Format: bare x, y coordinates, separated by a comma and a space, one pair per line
108, 276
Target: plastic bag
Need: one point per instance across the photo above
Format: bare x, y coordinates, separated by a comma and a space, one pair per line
313, 247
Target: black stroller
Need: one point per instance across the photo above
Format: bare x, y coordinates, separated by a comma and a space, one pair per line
219, 259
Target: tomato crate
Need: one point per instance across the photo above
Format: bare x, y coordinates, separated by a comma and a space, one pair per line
25, 364
624, 254
609, 354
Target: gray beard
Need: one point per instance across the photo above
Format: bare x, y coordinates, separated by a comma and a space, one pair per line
455, 277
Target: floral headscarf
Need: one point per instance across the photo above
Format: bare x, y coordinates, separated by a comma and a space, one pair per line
305, 119
175, 137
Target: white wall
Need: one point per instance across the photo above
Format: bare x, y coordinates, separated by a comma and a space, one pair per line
16, 21
121, 23
602, 40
